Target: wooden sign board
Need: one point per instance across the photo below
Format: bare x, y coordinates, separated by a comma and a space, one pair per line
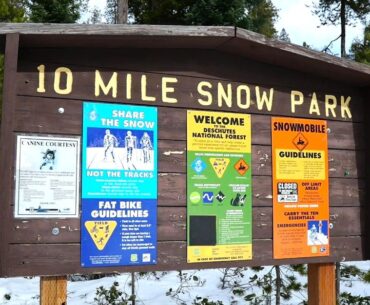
50, 70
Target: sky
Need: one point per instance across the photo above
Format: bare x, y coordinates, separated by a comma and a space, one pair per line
301, 25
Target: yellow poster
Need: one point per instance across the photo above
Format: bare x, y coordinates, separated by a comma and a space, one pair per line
219, 131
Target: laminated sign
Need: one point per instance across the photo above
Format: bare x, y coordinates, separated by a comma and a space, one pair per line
219, 191
119, 185
300, 188
47, 176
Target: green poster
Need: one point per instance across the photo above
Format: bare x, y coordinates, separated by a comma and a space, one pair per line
219, 190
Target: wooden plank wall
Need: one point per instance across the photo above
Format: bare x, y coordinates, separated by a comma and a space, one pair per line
31, 248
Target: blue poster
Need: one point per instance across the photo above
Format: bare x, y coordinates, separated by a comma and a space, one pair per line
119, 185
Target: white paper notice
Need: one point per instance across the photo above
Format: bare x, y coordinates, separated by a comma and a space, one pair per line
47, 177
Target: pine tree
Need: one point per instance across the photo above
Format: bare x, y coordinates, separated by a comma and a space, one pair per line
111, 11
217, 12
343, 12
268, 285
254, 15
160, 11
306, 45
12, 11
284, 35
95, 16
262, 15
348, 274
361, 49
55, 11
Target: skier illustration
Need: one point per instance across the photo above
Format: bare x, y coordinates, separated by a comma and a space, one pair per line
130, 144
110, 141
313, 233
48, 159
146, 145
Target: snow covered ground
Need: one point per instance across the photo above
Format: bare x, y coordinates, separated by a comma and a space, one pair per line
157, 290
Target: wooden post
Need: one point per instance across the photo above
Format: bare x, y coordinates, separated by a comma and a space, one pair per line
53, 290
321, 284
8, 150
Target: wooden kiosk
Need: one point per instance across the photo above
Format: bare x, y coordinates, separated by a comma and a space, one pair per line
51, 69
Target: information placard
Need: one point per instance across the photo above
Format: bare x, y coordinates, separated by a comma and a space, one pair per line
219, 191
300, 188
119, 185
47, 177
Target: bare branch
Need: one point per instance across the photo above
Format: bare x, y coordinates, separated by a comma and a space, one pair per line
327, 48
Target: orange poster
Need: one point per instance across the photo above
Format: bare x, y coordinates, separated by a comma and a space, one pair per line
300, 188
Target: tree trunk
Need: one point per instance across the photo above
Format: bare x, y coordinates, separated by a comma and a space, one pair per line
343, 28
278, 284
122, 11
